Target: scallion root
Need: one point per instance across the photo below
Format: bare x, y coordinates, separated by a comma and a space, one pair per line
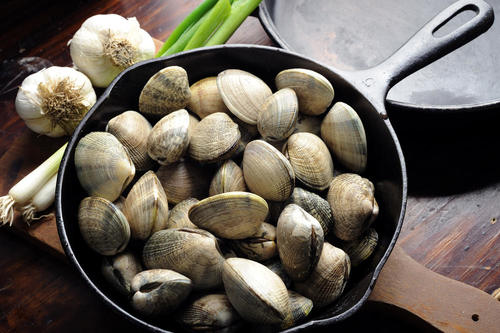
29, 214
7, 210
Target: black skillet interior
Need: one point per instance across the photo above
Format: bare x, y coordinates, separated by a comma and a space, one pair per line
385, 166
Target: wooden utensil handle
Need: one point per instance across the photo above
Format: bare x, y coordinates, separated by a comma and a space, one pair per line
446, 304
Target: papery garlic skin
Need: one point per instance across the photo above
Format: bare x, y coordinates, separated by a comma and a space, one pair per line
54, 100
106, 44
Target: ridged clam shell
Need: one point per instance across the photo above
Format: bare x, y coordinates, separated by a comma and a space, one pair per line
315, 205
353, 204
211, 312
119, 271
259, 247
192, 252
103, 226
232, 215
300, 307
267, 172
166, 91
132, 130
314, 92
279, 116
310, 159
243, 93
159, 291
215, 138
343, 132
228, 178
361, 249
102, 165
183, 180
300, 240
255, 291
178, 216
328, 279
309, 124
205, 98
146, 207
169, 138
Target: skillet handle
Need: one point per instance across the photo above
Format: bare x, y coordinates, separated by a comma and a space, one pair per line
446, 304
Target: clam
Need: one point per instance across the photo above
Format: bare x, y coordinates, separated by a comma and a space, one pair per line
228, 178
205, 98
102, 165
243, 93
132, 130
277, 120
259, 247
183, 180
159, 291
192, 252
248, 133
255, 291
314, 92
343, 132
300, 307
353, 204
146, 207
300, 240
315, 205
166, 91
211, 313
232, 215
178, 217
277, 268
215, 138
103, 226
119, 271
361, 249
310, 159
120, 203
267, 172
327, 281
169, 138
309, 124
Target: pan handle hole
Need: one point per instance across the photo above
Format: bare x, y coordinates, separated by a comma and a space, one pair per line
453, 23
475, 317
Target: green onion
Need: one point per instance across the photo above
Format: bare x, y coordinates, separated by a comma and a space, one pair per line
40, 202
21, 193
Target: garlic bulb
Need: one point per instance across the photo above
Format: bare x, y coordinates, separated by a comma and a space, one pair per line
54, 100
106, 44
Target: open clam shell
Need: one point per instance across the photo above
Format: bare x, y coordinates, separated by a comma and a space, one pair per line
205, 98
259, 247
279, 116
229, 178
119, 271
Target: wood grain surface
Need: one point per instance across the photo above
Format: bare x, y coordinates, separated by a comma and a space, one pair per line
450, 226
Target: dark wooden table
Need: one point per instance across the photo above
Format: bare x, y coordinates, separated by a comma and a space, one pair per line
450, 225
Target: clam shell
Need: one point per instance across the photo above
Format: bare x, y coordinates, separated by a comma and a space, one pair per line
205, 98
103, 226
232, 215
178, 217
103, 166
314, 92
166, 91
159, 291
310, 159
228, 178
361, 249
315, 205
267, 172
215, 138
309, 124
243, 93
259, 247
300, 240
211, 312
169, 138
146, 207
279, 116
353, 204
192, 252
328, 279
343, 132
277, 268
132, 130
183, 180
119, 271
300, 307
255, 291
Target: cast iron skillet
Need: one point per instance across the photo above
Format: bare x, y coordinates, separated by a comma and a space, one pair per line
365, 91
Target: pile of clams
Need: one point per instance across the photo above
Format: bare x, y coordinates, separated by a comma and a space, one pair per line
219, 203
